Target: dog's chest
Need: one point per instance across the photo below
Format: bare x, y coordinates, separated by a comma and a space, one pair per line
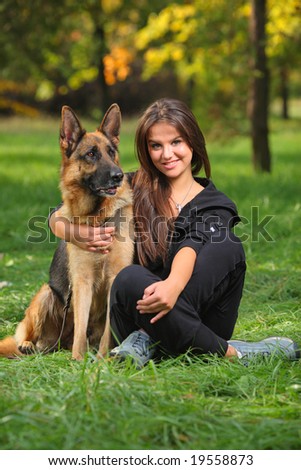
86, 267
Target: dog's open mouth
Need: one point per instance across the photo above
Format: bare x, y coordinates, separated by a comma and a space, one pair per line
106, 191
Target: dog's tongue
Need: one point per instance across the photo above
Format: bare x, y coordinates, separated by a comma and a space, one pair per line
111, 191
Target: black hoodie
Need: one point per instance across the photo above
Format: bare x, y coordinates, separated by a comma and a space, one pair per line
207, 217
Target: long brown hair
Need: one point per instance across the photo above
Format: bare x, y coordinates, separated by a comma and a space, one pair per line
152, 209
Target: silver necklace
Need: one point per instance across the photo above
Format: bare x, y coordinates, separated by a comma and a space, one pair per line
179, 205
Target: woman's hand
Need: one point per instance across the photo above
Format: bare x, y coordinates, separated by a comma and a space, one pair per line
159, 298
93, 239
86, 237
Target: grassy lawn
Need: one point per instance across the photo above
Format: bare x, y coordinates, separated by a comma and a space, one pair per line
50, 402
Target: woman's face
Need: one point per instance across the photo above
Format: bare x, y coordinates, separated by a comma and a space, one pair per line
169, 152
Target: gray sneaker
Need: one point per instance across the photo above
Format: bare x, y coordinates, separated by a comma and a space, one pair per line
138, 346
268, 347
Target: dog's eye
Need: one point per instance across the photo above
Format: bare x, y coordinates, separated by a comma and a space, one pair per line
91, 156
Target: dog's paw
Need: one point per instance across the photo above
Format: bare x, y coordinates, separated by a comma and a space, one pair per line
27, 347
77, 356
102, 353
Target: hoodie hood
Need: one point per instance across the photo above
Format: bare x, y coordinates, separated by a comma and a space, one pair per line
211, 199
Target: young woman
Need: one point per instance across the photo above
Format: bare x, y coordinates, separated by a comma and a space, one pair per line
183, 292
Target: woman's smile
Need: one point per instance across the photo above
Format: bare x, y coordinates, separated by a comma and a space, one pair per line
170, 164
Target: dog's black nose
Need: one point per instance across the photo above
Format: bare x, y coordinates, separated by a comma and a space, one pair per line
117, 176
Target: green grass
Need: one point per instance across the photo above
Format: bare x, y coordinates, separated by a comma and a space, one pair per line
51, 402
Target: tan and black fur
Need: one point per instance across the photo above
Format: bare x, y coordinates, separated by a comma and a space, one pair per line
95, 192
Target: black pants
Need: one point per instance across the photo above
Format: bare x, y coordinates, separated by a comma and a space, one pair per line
204, 315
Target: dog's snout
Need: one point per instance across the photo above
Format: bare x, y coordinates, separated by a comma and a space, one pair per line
117, 175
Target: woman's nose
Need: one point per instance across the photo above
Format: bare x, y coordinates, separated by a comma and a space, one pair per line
167, 152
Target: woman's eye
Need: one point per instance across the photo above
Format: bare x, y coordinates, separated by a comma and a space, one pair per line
177, 141
155, 146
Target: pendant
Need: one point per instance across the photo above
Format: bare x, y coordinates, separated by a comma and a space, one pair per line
179, 207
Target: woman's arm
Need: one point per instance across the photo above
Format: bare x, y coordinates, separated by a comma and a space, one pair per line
161, 296
84, 236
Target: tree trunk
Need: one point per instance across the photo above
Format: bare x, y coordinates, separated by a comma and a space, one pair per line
284, 92
259, 96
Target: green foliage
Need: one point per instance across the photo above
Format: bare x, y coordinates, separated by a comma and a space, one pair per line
51, 402
207, 45
283, 30
56, 47
208, 53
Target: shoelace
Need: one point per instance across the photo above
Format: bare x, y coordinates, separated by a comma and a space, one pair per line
141, 345
257, 352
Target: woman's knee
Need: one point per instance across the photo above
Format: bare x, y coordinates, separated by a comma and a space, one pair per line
126, 276
132, 278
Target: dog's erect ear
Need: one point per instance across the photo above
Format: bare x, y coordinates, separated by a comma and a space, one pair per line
110, 124
71, 131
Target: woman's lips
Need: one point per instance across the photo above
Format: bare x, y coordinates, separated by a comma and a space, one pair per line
170, 165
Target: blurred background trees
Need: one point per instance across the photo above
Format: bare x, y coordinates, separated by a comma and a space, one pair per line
90, 53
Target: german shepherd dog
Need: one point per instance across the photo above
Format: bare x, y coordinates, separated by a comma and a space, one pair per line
71, 310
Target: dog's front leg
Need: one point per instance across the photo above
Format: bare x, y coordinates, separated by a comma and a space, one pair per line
106, 339
82, 298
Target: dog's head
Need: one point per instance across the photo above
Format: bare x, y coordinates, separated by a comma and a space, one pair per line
90, 159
